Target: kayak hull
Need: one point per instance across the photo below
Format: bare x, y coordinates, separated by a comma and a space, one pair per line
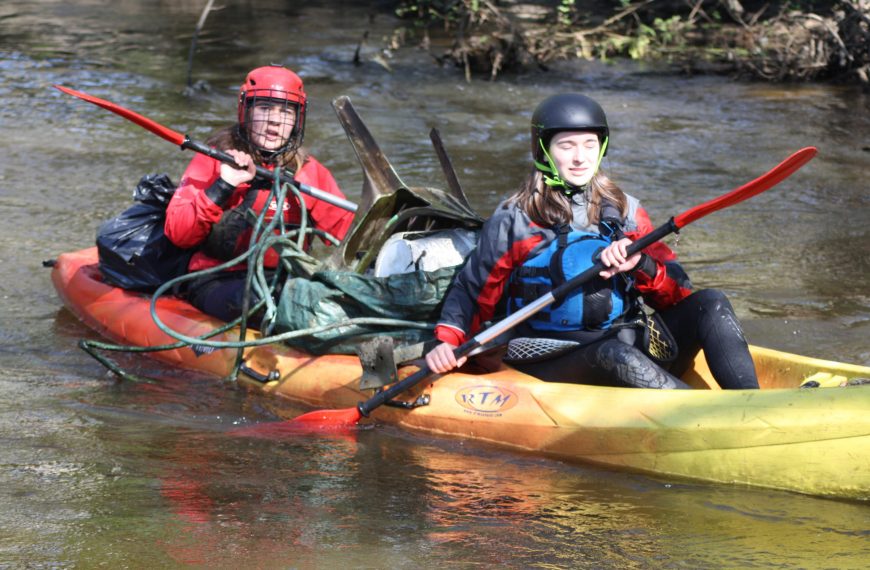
812, 440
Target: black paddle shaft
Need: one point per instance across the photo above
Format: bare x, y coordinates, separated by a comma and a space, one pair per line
270, 175
557, 294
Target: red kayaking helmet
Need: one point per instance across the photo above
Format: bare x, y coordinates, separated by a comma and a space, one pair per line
279, 87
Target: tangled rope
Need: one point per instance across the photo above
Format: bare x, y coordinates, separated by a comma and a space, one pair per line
290, 246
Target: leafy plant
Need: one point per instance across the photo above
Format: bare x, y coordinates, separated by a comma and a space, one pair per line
565, 12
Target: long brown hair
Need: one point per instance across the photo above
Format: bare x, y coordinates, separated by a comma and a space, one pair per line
231, 138
549, 207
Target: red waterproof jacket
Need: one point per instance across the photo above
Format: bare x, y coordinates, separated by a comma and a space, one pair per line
191, 214
510, 237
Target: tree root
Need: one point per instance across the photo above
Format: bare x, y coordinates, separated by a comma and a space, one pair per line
752, 38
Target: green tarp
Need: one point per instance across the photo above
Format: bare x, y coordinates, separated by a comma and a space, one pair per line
334, 297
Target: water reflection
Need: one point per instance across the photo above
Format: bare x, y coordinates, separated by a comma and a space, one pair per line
232, 500
383, 497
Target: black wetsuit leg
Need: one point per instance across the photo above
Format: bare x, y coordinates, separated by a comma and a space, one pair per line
221, 295
706, 320
607, 362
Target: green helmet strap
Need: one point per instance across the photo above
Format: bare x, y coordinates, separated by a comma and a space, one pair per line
551, 173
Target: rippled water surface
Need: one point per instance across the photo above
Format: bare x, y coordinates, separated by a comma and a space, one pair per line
98, 473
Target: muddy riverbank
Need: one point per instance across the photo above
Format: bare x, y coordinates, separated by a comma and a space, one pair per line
772, 41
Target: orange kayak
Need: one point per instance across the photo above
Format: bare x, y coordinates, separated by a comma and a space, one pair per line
808, 440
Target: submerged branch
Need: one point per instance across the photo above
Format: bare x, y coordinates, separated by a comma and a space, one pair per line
194, 40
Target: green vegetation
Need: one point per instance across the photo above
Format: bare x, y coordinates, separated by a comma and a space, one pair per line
775, 40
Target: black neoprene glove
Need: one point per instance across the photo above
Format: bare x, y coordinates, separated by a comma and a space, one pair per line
223, 239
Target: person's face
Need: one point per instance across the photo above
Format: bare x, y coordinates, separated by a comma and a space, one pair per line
575, 155
271, 124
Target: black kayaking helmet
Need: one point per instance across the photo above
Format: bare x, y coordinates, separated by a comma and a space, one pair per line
565, 112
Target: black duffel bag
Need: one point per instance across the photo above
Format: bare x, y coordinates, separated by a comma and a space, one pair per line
134, 252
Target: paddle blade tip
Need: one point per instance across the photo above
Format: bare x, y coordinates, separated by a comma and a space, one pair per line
318, 422
328, 418
807, 153
292, 430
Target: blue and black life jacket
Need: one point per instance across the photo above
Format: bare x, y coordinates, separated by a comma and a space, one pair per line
594, 306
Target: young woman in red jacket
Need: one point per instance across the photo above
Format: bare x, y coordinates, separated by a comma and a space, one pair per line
208, 209
567, 212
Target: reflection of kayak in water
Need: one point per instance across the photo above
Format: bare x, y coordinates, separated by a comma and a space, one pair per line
810, 440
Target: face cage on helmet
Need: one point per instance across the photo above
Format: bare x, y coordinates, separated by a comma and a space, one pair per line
249, 126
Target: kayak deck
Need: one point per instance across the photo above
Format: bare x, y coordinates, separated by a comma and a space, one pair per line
810, 440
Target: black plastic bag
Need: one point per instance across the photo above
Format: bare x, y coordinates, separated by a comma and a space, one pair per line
134, 252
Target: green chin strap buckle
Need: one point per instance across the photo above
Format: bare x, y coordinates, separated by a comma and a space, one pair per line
551, 173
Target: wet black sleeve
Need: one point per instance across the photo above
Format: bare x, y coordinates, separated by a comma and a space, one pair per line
647, 265
220, 191
611, 224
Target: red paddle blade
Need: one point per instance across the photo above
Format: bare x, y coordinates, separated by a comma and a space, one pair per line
347, 416
318, 421
764, 182
159, 130
291, 430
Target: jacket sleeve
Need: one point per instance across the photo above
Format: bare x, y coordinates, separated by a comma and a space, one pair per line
191, 213
479, 286
658, 277
326, 217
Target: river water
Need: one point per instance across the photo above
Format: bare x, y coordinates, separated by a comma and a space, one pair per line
97, 473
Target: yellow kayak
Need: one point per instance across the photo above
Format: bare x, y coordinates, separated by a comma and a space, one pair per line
813, 440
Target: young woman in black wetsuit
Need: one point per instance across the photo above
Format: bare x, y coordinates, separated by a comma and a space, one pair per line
599, 335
